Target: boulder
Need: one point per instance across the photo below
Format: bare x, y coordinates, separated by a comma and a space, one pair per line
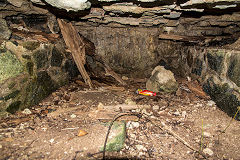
74, 5
162, 80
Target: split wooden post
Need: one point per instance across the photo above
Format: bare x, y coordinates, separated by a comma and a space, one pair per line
77, 47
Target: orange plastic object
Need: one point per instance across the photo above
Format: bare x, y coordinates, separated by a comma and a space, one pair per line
145, 92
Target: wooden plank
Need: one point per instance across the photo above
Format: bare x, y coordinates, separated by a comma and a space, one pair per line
109, 115
77, 47
114, 74
193, 39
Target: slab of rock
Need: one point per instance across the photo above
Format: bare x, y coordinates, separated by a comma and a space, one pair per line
116, 137
162, 80
123, 107
73, 5
5, 33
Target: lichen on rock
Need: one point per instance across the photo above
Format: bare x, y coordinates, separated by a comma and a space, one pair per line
10, 65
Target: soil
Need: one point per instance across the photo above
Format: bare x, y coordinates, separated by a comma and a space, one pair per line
185, 125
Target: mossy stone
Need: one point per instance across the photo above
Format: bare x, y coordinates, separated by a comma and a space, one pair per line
31, 45
13, 107
10, 66
117, 142
29, 67
38, 89
11, 95
71, 68
215, 60
234, 70
223, 95
41, 58
57, 57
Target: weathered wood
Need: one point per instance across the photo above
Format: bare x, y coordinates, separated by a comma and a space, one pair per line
106, 115
77, 47
193, 39
113, 74
123, 107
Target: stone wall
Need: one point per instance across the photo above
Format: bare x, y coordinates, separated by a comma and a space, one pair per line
219, 72
30, 72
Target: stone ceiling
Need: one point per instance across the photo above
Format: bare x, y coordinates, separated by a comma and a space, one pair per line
77, 5
131, 13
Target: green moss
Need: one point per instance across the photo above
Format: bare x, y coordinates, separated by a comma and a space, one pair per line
117, 143
10, 66
31, 45
13, 107
38, 88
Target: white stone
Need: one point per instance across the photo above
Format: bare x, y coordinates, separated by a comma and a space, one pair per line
74, 5
38, 2
155, 107
131, 125
1, 146
73, 116
135, 124
208, 151
51, 140
206, 135
184, 114
21, 126
125, 78
140, 147
177, 113
132, 135
26, 111
140, 154
44, 129
211, 103
100, 106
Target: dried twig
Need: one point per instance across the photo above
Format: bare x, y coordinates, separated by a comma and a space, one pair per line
163, 126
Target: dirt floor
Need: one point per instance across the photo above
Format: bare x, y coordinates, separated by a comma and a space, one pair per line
184, 126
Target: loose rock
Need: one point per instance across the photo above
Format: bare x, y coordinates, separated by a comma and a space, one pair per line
155, 108
162, 80
26, 111
73, 116
206, 135
132, 125
208, 151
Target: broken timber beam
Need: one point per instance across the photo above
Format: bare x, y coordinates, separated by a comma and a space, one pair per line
77, 47
192, 39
